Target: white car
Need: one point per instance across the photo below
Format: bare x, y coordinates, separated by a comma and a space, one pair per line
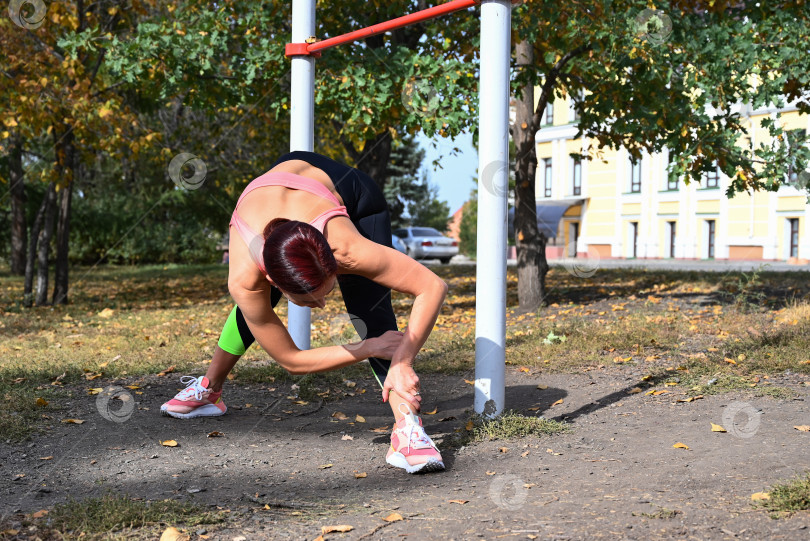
427, 243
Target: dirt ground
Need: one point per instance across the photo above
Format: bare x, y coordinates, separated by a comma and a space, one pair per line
285, 470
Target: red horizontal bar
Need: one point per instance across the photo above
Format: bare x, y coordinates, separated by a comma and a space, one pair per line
393, 24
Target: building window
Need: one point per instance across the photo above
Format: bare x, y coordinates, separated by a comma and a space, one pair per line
635, 176
710, 233
547, 177
573, 233
711, 178
634, 239
576, 101
793, 223
672, 184
672, 181
576, 176
549, 113
671, 227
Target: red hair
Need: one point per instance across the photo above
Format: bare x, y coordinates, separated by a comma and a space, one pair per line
297, 257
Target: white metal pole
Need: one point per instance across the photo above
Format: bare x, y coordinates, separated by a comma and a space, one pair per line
493, 185
302, 131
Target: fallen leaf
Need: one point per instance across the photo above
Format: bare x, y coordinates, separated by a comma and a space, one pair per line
542, 387
133, 387
323, 467
215, 434
300, 402
393, 517
760, 496
340, 416
803, 428
342, 528
73, 421
468, 382
167, 371
42, 402
469, 425
40, 514
359, 419
491, 473
46, 457
524, 454
169, 443
346, 437
634, 390
360, 475
690, 399
730, 361
717, 428
503, 449
524, 369
431, 412
558, 402
107, 312
680, 445
380, 429
173, 534
95, 390
460, 502
741, 357
662, 391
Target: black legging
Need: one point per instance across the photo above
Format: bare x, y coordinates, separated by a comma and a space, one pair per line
367, 302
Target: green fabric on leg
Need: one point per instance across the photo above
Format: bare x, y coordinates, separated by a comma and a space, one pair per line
231, 340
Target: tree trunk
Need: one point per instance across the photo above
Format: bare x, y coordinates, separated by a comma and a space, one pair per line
30, 260
19, 227
68, 171
45, 245
530, 242
60, 290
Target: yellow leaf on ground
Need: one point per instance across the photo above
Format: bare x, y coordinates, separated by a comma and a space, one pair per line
730, 361
173, 534
460, 502
542, 387
360, 475
662, 391
40, 514
343, 528
503, 449
94, 391
680, 445
215, 434
73, 421
524, 369
717, 428
468, 382
346, 437
46, 457
42, 402
107, 312
169, 443
803, 428
340, 416
359, 419
393, 517
558, 402
760, 496
167, 371
469, 425
133, 387
323, 467
431, 412
380, 429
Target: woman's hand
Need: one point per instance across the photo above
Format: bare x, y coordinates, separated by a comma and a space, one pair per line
384, 346
404, 381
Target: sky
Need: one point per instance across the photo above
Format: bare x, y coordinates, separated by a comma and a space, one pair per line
455, 177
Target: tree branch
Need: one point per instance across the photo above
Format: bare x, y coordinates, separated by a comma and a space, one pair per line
551, 80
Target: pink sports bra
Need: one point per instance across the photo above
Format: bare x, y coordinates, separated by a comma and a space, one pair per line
254, 240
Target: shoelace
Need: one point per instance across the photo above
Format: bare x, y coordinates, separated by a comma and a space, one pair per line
193, 385
410, 426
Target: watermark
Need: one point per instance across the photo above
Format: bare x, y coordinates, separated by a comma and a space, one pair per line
119, 411
581, 267
741, 419
187, 171
420, 97
28, 14
508, 492
653, 26
343, 329
495, 178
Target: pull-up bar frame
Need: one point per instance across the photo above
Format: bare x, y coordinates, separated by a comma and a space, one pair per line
493, 171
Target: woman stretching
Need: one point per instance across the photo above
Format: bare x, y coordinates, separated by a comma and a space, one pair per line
323, 223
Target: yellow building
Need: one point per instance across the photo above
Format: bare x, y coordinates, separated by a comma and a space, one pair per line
617, 208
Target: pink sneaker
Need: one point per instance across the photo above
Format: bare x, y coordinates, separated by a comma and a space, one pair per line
196, 400
412, 449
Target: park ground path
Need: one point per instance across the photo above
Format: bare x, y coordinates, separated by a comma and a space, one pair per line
285, 470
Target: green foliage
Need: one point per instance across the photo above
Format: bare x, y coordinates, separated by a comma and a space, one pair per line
790, 496
426, 209
468, 230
